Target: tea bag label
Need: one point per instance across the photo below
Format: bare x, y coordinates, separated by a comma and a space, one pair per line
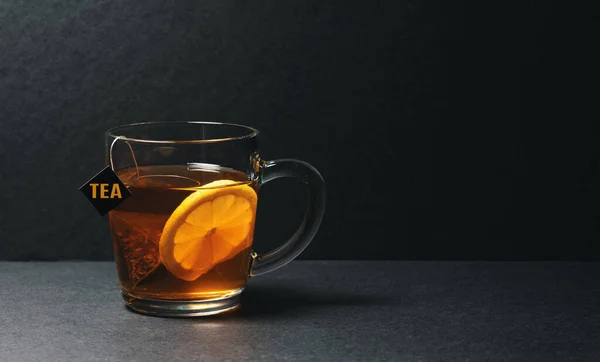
105, 191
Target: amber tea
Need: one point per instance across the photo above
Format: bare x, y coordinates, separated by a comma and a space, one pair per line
185, 233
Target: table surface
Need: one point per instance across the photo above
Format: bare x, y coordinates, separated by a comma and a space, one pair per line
315, 310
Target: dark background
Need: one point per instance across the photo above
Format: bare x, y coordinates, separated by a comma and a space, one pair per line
443, 130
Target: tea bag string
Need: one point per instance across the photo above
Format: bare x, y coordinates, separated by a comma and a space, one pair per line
137, 170
110, 157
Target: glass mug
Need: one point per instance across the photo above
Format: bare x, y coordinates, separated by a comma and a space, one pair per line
183, 239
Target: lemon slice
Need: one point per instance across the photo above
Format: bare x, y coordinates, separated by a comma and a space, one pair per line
210, 226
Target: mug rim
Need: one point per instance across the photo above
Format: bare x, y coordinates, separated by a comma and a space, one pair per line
252, 132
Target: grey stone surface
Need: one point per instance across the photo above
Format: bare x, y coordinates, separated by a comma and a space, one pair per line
334, 311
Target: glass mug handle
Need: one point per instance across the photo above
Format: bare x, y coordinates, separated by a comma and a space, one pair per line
271, 170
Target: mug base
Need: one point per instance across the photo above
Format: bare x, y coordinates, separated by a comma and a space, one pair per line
181, 308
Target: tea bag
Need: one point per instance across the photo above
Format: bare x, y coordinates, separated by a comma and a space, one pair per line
140, 249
